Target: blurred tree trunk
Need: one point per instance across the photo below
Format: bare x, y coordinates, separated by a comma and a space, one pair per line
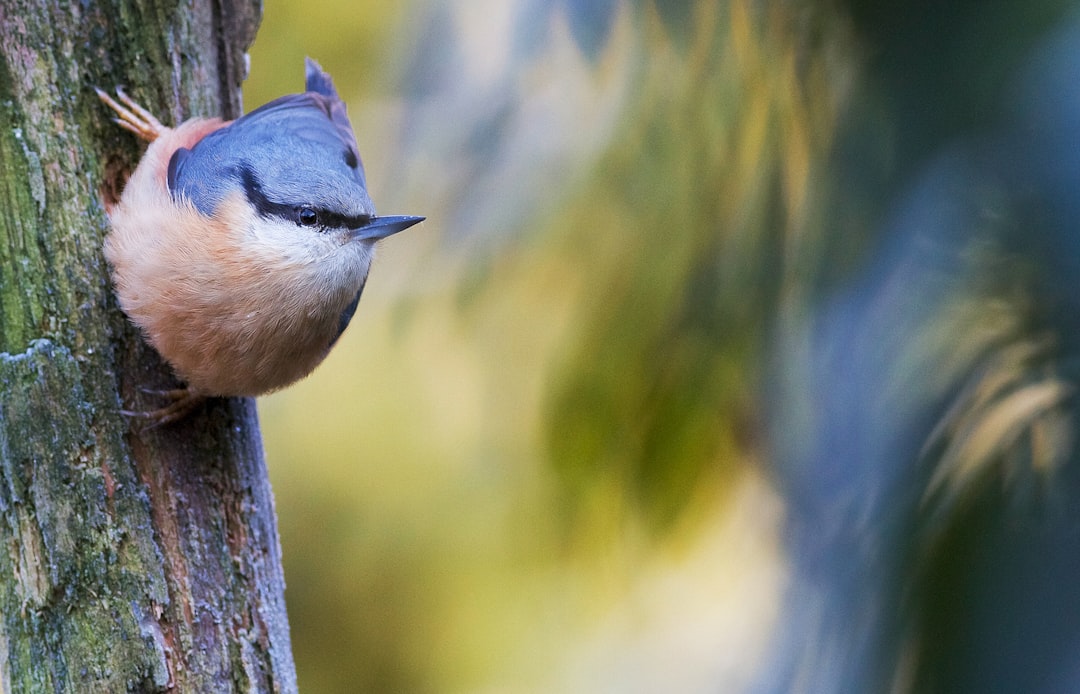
129, 560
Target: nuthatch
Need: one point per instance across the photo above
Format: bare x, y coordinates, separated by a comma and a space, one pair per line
240, 248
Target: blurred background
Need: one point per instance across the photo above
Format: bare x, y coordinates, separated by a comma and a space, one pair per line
737, 353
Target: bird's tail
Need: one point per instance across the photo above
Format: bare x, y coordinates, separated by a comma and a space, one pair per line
316, 79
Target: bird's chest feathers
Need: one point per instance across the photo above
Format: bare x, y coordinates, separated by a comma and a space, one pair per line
304, 273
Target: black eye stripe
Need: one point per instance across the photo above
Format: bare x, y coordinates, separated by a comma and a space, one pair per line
262, 204
293, 213
333, 220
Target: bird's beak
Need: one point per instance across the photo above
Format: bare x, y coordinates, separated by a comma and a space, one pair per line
381, 227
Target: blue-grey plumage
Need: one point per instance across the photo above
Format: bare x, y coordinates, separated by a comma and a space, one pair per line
241, 249
282, 146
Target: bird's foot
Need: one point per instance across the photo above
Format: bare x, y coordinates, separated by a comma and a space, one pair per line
131, 116
181, 403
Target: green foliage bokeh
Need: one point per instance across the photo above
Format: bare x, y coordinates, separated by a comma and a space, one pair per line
503, 442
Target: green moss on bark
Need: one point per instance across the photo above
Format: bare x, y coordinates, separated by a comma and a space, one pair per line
129, 560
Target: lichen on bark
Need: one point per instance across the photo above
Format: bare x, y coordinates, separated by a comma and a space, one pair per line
130, 559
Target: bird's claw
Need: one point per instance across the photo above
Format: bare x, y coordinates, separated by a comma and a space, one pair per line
181, 402
131, 116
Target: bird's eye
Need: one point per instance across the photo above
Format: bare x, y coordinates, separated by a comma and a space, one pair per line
308, 217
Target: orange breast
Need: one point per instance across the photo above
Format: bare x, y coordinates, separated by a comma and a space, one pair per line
235, 305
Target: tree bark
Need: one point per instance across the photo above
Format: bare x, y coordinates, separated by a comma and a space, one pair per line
130, 560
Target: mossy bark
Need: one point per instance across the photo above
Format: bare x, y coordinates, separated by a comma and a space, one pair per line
130, 560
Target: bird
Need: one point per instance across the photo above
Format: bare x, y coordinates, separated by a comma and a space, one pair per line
240, 249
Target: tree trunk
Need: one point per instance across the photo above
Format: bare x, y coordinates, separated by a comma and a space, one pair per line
130, 559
